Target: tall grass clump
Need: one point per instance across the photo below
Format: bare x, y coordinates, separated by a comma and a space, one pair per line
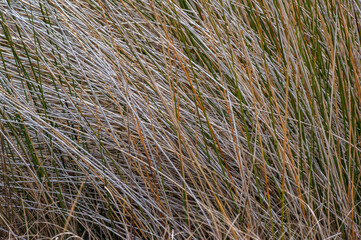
180, 119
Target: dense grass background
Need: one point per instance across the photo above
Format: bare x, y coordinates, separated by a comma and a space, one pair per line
183, 119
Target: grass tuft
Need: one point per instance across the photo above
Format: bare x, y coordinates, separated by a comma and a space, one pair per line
180, 119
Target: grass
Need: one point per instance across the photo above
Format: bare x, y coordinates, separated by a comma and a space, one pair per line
180, 119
